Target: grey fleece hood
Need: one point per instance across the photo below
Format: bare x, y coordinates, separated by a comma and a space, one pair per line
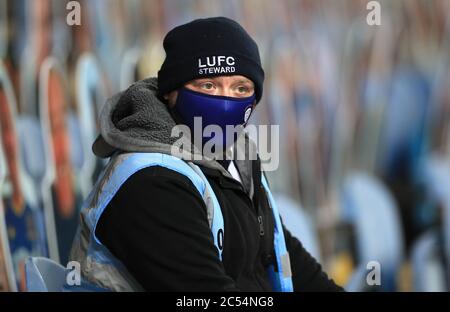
136, 120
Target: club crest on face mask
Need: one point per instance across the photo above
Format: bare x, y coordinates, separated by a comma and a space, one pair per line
215, 122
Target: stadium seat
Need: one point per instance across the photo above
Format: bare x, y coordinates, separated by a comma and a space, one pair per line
128, 70
76, 145
6, 263
61, 149
298, 223
368, 206
31, 146
90, 96
427, 265
403, 137
434, 171
44, 275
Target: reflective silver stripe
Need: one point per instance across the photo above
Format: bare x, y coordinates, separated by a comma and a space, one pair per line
98, 265
92, 271
207, 197
214, 212
286, 265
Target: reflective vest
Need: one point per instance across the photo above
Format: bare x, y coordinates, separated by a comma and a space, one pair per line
100, 269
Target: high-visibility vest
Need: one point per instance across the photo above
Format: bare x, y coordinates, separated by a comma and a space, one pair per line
99, 268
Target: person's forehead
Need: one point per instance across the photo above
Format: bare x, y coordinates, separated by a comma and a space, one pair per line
234, 78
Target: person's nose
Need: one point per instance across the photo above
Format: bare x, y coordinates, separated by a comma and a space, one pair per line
225, 91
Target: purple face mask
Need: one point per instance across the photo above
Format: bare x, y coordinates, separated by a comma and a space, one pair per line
214, 110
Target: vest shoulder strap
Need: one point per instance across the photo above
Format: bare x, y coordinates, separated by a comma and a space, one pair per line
281, 280
215, 216
130, 163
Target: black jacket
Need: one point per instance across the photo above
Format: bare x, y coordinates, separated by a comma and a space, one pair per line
157, 226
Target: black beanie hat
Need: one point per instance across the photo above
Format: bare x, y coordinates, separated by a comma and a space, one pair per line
208, 47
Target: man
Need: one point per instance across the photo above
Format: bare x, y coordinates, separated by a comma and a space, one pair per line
157, 222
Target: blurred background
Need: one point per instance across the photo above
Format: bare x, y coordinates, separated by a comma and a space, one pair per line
364, 115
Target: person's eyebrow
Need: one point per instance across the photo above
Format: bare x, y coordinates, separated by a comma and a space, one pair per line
199, 80
248, 81
242, 80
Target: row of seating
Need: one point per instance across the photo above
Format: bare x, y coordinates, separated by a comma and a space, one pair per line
314, 110
377, 226
367, 205
38, 146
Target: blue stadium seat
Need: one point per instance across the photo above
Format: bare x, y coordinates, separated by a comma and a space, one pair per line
76, 145
32, 156
90, 94
6, 262
434, 171
357, 280
369, 207
298, 223
403, 137
31, 146
129, 67
427, 267
44, 275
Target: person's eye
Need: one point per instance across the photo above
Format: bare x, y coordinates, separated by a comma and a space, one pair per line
207, 86
243, 89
